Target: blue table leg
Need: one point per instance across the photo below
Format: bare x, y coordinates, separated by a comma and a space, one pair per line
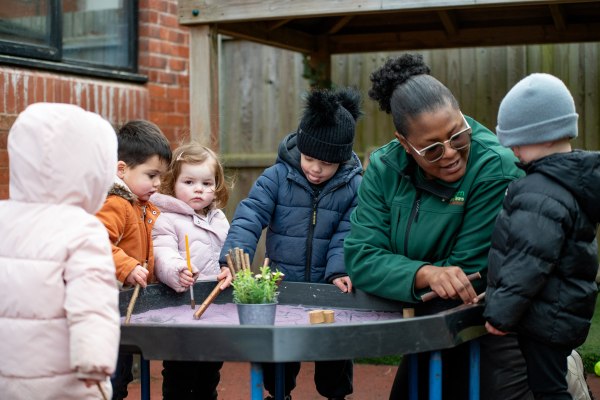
145, 378
435, 375
474, 370
413, 376
256, 381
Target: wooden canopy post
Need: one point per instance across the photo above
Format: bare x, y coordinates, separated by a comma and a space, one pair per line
204, 85
317, 65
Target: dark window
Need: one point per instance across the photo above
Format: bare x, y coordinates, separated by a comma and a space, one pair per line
90, 37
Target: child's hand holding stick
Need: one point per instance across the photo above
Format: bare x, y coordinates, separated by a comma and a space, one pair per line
134, 296
215, 292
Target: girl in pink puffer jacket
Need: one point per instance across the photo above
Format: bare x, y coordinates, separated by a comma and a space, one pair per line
192, 192
59, 318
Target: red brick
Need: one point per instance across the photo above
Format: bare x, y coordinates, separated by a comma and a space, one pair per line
11, 96
6, 122
157, 62
4, 191
183, 80
39, 94
3, 138
162, 105
50, 92
155, 46
156, 90
159, 5
164, 77
176, 93
83, 102
181, 51
178, 64
30, 85
176, 37
168, 20
3, 82
3, 158
182, 107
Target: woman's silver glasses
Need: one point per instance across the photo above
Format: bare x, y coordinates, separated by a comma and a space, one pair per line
434, 152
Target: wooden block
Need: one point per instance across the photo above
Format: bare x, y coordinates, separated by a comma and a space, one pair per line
408, 312
329, 316
316, 316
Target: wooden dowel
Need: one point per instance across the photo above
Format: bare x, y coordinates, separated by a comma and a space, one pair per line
238, 259
134, 296
208, 301
189, 265
230, 265
104, 397
247, 260
266, 262
432, 295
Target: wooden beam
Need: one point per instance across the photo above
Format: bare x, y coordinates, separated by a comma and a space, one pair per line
271, 26
204, 85
558, 17
449, 21
339, 24
282, 37
466, 37
213, 11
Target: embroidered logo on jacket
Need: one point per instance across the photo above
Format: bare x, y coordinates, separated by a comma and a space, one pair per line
458, 199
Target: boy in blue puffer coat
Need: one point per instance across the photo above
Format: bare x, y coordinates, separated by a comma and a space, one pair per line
543, 258
305, 200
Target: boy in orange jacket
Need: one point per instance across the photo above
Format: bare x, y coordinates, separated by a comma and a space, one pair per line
143, 156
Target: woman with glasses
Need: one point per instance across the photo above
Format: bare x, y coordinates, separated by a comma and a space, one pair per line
426, 210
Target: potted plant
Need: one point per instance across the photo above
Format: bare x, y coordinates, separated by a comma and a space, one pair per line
256, 295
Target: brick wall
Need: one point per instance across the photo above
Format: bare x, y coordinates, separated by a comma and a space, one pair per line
164, 99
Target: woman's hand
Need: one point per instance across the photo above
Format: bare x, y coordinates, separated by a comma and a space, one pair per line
448, 282
344, 283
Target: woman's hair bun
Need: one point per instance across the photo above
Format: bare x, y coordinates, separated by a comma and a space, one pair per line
395, 72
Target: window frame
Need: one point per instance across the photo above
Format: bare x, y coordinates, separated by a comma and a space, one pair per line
50, 57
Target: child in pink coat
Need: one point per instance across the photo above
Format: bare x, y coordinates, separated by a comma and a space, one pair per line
59, 318
192, 192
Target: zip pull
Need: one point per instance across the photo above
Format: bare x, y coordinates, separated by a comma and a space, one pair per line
417, 205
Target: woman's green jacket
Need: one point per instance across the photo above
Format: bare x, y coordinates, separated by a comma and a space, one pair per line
404, 221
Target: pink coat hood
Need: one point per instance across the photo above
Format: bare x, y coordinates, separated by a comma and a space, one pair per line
59, 319
206, 237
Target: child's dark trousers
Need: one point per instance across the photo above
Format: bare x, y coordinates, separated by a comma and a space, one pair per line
190, 380
546, 368
332, 378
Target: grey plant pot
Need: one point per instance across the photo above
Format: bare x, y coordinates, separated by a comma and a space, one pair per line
257, 314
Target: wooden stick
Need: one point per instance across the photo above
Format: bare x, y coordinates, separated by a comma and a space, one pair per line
104, 397
230, 265
247, 260
432, 295
266, 262
134, 296
238, 259
208, 301
189, 265
480, 296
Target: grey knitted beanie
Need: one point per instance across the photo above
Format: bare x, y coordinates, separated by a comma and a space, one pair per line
538, 109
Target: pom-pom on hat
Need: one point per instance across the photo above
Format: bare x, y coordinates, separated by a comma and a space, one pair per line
538, 109
327, 128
